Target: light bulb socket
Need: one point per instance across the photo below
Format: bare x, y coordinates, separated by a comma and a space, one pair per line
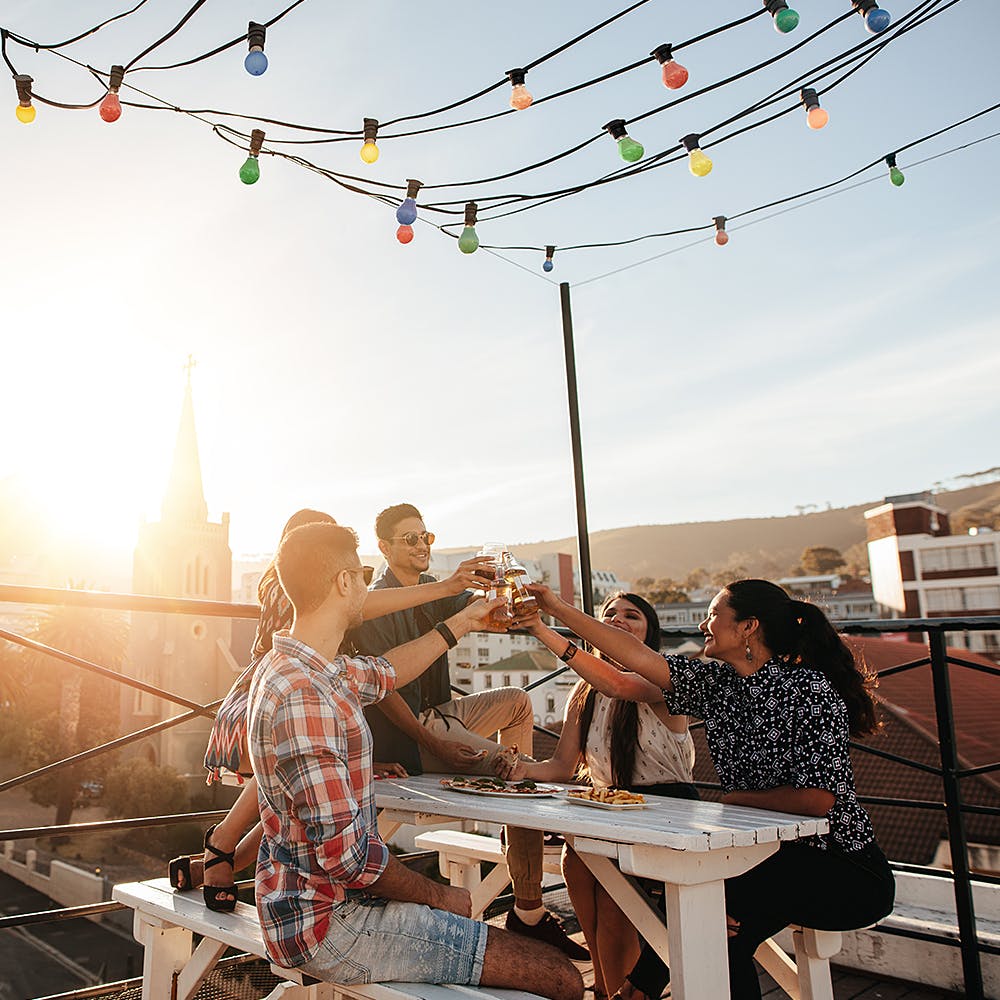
471, 210
23, 84
616, 128
256, 141
115, 78
516, 76
371, 129
664, 53
774, 6
413, 187
256, 34
809, 98
890, 160
550, 252
863, 6
720, 223
691, 141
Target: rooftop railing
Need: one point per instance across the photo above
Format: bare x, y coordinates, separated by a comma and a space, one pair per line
951, 770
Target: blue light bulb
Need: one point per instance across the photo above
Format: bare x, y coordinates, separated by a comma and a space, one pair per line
547, 266
406, 214
877, 20
255, 63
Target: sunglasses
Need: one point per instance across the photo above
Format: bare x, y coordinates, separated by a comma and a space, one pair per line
412, 537
368, 571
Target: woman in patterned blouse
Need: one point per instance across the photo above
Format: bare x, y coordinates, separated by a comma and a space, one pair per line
781, 696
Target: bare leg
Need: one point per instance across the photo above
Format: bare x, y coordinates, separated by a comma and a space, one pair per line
617, 942
582, 888
229, 833
518, 962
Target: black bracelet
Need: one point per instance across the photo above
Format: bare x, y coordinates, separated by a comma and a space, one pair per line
569, 652
446, 633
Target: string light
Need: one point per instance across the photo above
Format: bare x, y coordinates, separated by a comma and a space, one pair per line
674, 74
628, 149
25, 110
369, 151
519, 96
698, 163
721, 236
895, 174
876, 19
406, 214
547, 264
256, 62
785, 19
111, 106
816, 117
468, 242
250, 171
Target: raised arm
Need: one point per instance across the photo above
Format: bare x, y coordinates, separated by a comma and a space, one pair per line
390, 599
622, 647
603, 675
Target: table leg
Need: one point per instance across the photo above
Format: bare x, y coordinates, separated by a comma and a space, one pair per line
696, 931
165, 951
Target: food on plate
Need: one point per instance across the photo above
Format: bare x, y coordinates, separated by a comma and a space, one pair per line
609, 796
488, 784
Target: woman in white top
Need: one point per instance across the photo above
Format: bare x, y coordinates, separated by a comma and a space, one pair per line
616, 743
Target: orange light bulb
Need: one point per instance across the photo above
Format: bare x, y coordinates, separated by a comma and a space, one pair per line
817, 117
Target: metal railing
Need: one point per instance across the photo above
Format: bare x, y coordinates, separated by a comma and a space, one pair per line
951, 770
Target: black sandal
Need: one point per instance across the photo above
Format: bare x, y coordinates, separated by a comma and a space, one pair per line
180, 872
215, 895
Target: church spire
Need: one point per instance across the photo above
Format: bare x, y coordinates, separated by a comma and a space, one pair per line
184, 501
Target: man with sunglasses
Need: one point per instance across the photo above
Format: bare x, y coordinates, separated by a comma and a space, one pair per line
424, 727
332, 899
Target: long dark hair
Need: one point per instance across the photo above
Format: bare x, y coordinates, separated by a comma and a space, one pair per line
624, 721
799, 633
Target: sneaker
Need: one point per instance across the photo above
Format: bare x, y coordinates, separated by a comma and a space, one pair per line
550, 930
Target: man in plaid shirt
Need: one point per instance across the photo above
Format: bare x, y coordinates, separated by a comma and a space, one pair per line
332, 900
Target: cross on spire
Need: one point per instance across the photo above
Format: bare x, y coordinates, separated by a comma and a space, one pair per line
189, 367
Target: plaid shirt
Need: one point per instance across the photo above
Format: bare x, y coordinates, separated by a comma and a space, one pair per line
312, 755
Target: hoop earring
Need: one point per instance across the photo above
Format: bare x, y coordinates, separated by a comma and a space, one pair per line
749, 654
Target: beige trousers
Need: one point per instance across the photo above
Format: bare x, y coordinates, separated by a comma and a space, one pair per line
476, 719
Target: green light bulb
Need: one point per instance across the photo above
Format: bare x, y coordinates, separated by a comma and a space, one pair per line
629, 149
786, 20
468, 242
896, 176
250, 171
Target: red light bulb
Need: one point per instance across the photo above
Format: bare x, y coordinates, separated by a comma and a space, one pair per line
111, 107
674, 75
404, 234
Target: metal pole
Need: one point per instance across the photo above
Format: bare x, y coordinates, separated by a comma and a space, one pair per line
582, 536
956, 827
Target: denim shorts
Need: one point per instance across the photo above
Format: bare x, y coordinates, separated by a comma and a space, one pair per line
372, 940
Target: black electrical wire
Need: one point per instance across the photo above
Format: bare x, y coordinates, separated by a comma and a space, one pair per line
76, 38
226, 45
192, 10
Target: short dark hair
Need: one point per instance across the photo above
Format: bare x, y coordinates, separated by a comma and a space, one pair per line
309, 558
385, 523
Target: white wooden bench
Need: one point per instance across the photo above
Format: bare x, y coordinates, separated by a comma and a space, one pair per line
460, 854
164, 922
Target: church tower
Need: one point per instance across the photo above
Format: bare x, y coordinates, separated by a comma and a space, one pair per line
183, 555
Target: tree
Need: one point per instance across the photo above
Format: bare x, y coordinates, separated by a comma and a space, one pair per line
666, 591
820, 560
66, 709
138, 787
696, 579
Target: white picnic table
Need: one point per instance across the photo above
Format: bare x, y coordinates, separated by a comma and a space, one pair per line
690, 846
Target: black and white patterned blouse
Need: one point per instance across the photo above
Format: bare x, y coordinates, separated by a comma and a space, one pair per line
782, 725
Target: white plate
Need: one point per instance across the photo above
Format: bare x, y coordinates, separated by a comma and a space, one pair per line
540, 791
604, 805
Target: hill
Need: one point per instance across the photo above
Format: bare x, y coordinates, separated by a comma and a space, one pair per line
769, 546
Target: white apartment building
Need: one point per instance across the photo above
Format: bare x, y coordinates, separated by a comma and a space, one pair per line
920, 570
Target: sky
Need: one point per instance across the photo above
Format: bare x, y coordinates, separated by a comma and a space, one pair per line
831, 354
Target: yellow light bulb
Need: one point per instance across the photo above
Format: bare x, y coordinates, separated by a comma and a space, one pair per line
25, 113
369, 152
699, 164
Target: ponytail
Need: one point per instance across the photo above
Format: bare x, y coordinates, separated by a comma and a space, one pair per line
800, 633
